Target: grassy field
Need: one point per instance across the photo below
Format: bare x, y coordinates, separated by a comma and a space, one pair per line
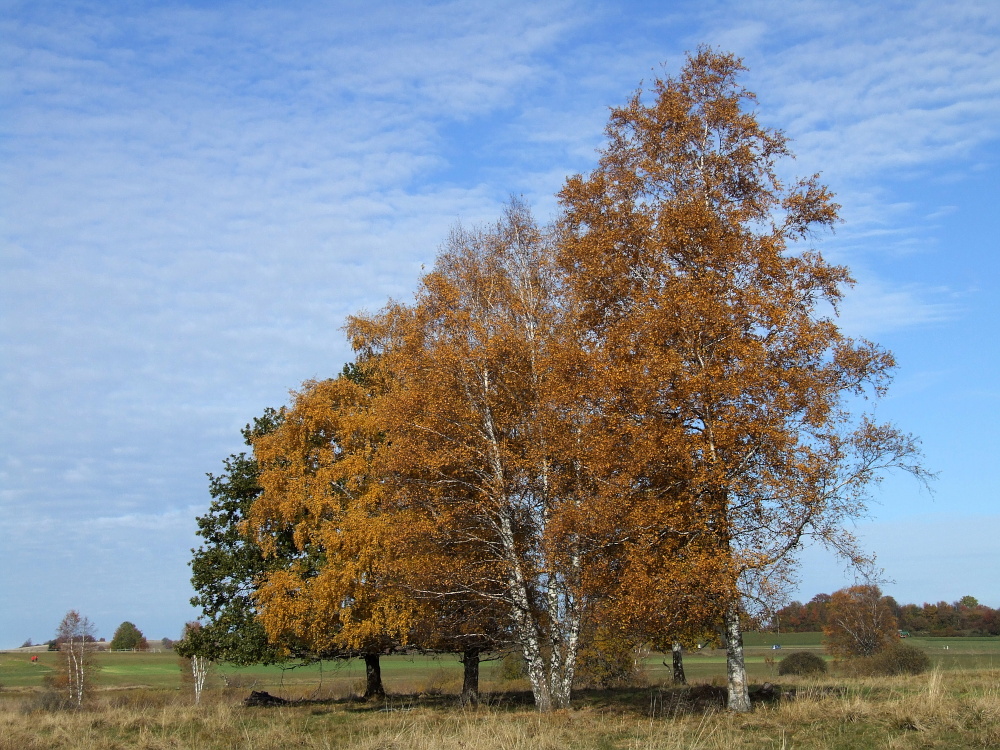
142, 701
407, 674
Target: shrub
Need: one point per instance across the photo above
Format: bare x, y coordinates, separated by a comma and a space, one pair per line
901, 658
513, 667
47, 700
802, 663
607, 661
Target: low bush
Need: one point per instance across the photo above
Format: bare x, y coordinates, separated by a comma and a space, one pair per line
47, 701
513, 667
607, 660
900, 658
802, 663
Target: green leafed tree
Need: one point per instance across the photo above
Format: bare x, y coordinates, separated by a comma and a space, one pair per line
128, 638
228, 562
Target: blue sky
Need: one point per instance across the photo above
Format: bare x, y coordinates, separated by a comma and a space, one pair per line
194, 195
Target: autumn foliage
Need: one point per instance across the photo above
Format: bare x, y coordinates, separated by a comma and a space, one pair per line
625, 424
965, 617
860, 622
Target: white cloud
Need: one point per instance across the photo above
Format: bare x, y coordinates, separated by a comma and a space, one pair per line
874, 307
888, 87
194, 198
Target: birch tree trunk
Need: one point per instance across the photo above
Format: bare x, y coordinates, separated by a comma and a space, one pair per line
74, 670
199, 670
564, 633
677, 655
736, 671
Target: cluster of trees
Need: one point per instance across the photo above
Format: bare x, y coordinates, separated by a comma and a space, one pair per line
965, 617
77, 643
127, 637
621, 425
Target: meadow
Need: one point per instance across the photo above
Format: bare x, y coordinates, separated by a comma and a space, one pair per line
144, 701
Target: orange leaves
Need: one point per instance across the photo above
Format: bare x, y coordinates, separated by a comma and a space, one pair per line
341, 591
646, 408
860, 622
677, 251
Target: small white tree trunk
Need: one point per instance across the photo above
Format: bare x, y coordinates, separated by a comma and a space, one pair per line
739, 691
75, 670
199, 670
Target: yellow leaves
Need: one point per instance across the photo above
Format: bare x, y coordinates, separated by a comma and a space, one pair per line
316, 457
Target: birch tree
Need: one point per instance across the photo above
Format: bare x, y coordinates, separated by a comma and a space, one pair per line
485, 440
861, 622
719, 333
75, 638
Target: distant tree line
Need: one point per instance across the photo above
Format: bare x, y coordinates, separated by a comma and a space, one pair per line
965, 617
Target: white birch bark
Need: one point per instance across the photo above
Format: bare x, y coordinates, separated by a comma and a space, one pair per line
524, 622
75, 670
736, 671
199, 670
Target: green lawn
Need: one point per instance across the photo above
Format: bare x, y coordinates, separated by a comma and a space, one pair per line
706, 664
164, 670
409, 674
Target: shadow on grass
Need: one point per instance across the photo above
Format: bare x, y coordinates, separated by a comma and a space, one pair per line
638, 701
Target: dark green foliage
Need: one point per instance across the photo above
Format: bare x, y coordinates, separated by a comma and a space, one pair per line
128, 637
802, 663
225, 567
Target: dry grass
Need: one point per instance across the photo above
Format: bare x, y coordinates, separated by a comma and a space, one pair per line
935, 710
